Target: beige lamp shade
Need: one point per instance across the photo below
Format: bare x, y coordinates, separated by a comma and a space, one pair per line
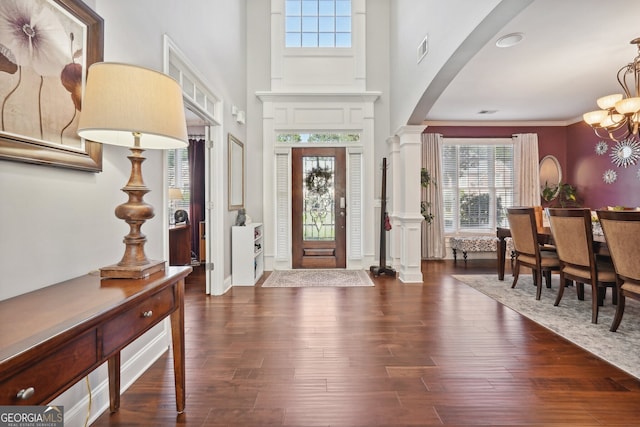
628, 106
175, 194
612, 121
122, 100
595, 117
609, 101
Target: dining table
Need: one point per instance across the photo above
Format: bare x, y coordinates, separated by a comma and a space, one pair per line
545, 238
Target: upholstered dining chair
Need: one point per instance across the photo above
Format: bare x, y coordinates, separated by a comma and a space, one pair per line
622, 232
522, 223
572, 233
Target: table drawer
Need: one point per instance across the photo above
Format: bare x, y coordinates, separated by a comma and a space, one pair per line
133, 322
52, 374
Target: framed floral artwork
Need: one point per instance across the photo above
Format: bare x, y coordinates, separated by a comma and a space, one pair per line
46, 47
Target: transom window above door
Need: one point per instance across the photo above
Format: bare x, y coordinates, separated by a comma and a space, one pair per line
314, 138
318, 23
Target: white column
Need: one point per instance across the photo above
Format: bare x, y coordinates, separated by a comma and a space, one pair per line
406, 204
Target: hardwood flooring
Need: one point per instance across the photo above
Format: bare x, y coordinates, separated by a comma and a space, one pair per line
430, 354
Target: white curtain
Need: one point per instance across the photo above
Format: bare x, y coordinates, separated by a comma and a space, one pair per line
433, 244
527, 173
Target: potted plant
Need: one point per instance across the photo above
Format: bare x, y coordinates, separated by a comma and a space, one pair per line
563, 195
425, 207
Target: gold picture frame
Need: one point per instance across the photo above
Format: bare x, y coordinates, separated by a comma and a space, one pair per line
236, 173
45, 118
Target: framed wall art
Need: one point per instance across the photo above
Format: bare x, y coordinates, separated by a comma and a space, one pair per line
236, 173
46, 47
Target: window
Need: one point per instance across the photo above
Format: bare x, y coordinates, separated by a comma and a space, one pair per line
318, 197
318, 23
477, 184
308, 138
179, 178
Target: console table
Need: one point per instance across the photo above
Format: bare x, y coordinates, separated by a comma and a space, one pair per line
52, 337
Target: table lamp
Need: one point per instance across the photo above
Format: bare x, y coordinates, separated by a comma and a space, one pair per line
139, 108
174, 194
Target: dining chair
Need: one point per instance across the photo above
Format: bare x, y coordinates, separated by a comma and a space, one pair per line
572, 233
621, 232
522, 223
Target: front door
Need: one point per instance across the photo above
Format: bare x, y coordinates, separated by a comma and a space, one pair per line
318, 207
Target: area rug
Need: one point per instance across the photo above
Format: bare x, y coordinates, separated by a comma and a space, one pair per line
572, 318
317, 278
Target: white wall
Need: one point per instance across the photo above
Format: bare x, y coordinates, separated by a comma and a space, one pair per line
258, 79
447, 23
379, 79
60, 223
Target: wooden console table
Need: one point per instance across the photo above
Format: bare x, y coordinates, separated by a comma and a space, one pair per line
52, 337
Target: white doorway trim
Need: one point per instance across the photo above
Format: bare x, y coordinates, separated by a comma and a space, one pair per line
204, 103
318, 113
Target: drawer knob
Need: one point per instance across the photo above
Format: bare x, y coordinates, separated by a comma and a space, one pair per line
26, 393
147, 313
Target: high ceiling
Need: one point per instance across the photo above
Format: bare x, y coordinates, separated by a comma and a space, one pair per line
570, 54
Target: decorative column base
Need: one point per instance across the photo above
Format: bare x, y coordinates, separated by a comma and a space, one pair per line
410, 268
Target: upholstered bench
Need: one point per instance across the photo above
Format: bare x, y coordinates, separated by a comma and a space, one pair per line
472, 244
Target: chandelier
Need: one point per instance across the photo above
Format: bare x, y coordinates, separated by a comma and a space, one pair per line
619, 114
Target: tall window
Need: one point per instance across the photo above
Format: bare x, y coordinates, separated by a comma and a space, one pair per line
318, 23
477, 185
179, 178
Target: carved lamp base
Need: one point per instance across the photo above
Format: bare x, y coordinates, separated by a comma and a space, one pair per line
134, 263
116, 271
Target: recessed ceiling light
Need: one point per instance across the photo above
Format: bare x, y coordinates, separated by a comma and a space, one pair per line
510, 40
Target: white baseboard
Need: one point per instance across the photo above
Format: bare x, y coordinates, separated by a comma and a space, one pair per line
227, 284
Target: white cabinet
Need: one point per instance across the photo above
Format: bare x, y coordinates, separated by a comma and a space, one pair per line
247, 261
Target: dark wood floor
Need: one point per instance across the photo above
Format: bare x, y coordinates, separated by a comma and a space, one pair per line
437, 353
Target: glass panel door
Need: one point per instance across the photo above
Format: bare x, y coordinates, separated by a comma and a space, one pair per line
318, 208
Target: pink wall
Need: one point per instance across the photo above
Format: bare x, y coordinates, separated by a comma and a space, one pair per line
574, 147
551, 139
585, 168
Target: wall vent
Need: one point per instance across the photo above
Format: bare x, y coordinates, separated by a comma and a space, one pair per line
423, 48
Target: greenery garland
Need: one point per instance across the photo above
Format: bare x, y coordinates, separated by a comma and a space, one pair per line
318, 180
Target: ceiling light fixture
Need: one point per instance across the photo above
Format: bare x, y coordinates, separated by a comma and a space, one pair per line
509, 40
619, 115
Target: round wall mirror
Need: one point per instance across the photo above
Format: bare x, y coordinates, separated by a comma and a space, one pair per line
550, 177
